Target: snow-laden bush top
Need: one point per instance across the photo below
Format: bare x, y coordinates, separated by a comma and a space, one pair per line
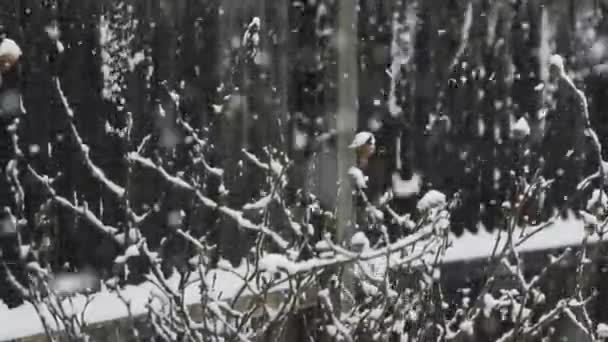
360, 240
431, 200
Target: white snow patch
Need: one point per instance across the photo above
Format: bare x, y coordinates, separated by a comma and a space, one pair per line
276, 263
300, 140
602, 330
132, 251
322, 246
467, 327
358, 176
521, 129
489, 303
406, 188
375, 212
59, 46
359, 239
136, 59
599, 198
363, 138
259, 204
588, 219
9, 48
276, 167
431, 200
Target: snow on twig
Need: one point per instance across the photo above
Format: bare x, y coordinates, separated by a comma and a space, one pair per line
80, 211
184, 185
84, 150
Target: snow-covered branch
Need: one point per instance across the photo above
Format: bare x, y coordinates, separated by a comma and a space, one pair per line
81, 211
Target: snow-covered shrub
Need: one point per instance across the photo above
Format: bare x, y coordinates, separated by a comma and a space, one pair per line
378, 285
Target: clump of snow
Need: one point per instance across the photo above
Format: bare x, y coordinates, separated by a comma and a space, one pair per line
385, 198
467, 327
224, 264
412, 316
276, 167
363, 138
436, 274
602, 330
136, 59
360, 240
34, 148
324, 249
59, 46
431, 200
132, 251
521, 129
369, 289
376, 313
374, 123
175, 217
277, 263
10, 48
538, 297
406, 188
375, 213
71, 283
52, 31
358, 176
489, 304
259, 204
589, 220
331, 330
398, 325
310, 229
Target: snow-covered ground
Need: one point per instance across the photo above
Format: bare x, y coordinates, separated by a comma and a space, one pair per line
23, 321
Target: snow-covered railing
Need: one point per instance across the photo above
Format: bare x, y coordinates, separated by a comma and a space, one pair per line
559, 234
107, 309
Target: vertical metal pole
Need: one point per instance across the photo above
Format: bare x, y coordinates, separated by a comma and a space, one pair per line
346, 120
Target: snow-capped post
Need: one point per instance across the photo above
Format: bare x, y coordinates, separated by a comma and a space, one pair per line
364, 145
346, 119
10, 94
